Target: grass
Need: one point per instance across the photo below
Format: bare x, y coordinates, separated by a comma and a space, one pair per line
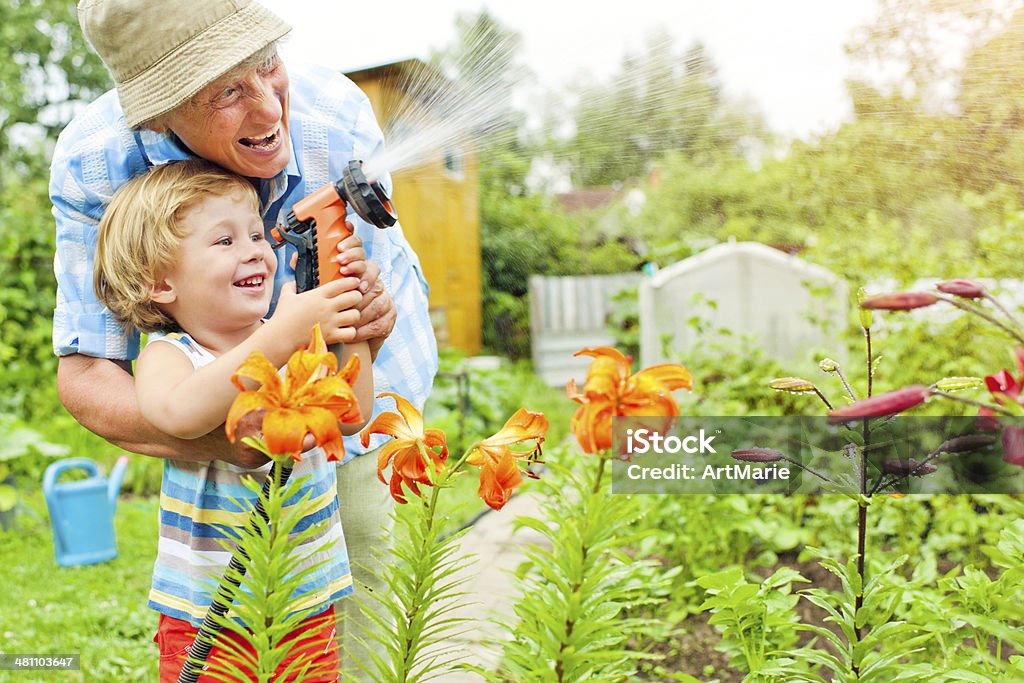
98, 611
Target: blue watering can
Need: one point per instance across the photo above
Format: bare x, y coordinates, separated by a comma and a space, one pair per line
82, 512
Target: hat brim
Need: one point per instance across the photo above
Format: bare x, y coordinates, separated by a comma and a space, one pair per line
199, 61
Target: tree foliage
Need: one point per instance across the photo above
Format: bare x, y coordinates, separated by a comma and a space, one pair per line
45, 67
660, 101
45, 64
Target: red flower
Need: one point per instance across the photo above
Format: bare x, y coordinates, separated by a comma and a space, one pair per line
899, 301
1003, 386
889, 403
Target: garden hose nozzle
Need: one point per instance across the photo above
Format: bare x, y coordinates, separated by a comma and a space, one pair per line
315, 224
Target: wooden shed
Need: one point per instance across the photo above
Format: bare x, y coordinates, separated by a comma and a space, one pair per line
437, 200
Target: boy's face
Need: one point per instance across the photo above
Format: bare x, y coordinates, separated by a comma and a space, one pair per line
223, 278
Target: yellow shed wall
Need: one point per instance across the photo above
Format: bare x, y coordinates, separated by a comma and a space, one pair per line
440, 214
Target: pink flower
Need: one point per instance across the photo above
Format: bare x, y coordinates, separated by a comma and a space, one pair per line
1013, 446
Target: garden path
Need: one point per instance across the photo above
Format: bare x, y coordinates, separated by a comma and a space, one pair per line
496, 549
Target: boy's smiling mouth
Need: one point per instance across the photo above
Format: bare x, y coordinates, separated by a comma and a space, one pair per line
250, 282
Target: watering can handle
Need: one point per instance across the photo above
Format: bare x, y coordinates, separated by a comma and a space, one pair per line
58, 468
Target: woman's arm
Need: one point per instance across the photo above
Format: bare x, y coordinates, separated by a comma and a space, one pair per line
100, 394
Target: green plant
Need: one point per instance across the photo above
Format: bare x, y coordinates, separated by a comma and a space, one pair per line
870, 647
582, 596
757, 620
263, 610
19, 442
424, 572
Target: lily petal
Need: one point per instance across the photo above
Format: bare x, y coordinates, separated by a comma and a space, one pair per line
256, 367
411, 415
284, 431
245, 403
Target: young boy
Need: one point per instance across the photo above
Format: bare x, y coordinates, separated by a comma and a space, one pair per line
181, 254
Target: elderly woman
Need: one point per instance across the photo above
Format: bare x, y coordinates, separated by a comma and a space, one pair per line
202, 78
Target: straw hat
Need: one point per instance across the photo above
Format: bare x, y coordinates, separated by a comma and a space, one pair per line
162, 52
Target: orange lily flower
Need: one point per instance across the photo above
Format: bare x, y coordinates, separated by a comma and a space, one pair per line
611, 391
499, 464
311, 398
411, 450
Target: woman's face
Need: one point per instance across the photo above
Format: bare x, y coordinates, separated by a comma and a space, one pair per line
240, 121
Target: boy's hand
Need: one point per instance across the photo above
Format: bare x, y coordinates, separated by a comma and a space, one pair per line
352, 258
332, 304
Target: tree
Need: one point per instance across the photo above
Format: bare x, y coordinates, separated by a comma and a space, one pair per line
913, 47
45, 67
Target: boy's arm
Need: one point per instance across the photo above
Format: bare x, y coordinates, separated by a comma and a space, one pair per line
363, 386
100, 394
188, 403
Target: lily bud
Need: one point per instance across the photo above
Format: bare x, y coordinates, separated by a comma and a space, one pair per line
966, 443
828, 365
965, 289
757, 455
793, 385
899, 301
959, 383
889, 403
909, 467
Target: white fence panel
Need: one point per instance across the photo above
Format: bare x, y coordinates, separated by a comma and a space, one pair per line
568, 314
759, 292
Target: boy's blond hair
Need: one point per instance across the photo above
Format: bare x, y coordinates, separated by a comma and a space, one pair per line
140, 233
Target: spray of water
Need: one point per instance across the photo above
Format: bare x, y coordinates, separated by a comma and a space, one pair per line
451, 106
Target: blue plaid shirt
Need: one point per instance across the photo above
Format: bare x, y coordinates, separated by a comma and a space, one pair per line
330, 123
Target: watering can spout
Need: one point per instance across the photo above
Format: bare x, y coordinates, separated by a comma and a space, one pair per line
116, 477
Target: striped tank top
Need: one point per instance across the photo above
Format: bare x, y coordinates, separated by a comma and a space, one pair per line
199, 499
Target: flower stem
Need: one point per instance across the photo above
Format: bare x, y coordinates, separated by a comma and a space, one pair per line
972, 402
600, 473
849, 390
807, 469
964, 306
822, 397
867, 337
1003, 309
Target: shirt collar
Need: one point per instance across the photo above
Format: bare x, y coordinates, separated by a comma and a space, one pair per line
161, 148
